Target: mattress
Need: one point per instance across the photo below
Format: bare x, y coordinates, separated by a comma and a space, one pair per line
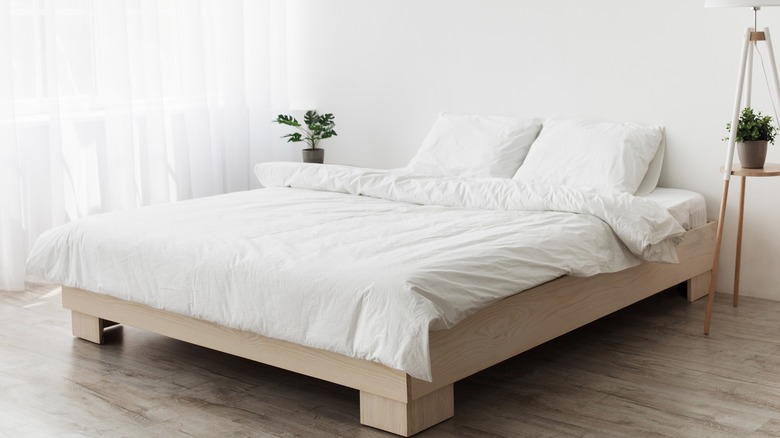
358, 262
688, 208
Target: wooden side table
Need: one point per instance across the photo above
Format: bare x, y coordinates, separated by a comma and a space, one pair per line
769, 169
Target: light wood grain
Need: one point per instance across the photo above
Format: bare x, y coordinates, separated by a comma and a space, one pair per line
88, 327
716, 256
769, 169
407, 419
528, 319
494, 334
354, 373
757, 36
698, 286
738, 255
645, 370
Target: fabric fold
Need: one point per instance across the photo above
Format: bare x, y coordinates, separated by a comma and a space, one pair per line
648, 230
364, 276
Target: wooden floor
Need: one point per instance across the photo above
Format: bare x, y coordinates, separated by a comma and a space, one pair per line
644, 371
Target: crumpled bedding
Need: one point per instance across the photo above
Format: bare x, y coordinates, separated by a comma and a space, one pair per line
356, 261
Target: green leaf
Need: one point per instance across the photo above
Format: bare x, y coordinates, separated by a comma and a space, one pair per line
753, 126
318, 127
286, 120
310, 118
294, 137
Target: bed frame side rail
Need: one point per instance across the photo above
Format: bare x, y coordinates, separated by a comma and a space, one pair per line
523, 321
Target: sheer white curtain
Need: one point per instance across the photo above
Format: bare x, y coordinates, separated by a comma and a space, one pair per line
111, 104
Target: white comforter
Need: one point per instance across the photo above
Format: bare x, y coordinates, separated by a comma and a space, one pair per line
366, 276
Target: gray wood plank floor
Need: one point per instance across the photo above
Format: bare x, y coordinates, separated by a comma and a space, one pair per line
644, 371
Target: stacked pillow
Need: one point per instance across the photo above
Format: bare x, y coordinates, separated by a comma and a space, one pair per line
475, 146
601, 155
607, 156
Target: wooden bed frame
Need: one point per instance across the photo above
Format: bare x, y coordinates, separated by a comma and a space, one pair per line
392, 400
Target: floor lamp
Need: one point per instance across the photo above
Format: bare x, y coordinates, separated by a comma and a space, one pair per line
749, 44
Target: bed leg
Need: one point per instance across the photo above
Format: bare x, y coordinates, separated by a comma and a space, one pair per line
406, 419
699, 286
88, 327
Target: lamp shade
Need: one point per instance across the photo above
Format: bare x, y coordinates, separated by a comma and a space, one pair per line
740, 3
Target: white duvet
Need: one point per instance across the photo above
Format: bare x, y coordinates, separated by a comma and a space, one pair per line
355, 261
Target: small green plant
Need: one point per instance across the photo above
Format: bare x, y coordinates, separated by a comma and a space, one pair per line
318, 127
753, 127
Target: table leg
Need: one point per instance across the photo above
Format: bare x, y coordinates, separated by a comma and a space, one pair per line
716, 256
739, 239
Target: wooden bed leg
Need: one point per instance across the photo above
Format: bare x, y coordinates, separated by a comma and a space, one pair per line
699, 286
88, 327
406, 419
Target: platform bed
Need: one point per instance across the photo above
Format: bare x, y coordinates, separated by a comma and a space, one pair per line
390, 399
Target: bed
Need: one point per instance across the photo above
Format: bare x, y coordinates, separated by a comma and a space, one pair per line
395, 283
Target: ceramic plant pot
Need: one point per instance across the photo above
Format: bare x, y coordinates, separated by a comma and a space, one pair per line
316, 155
752, 154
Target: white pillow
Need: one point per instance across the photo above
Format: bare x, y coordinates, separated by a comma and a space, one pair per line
475, 146
601, 155
650, 181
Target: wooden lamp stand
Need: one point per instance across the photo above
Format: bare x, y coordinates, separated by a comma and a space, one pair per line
751, 39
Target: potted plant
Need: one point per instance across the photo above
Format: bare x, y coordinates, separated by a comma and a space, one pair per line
318, 127
754, 131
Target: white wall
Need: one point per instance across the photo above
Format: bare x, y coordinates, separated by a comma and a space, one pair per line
386, 68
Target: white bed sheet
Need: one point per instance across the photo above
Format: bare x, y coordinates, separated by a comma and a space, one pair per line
364, 276
687, 207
